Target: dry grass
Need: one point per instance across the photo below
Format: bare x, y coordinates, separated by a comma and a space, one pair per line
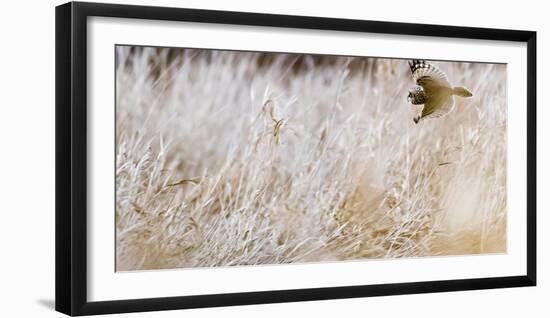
228, 158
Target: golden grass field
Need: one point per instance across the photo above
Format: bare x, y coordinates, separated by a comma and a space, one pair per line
237, 158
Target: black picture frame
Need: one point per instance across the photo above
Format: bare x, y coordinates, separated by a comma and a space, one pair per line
71, 157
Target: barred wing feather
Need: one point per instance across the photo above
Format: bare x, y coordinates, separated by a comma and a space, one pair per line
425, 74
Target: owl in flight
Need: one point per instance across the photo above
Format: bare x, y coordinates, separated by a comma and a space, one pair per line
433, 90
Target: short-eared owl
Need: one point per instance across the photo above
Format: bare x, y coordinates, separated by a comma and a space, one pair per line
433, 90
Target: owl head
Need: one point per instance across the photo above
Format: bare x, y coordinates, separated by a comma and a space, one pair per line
416, 95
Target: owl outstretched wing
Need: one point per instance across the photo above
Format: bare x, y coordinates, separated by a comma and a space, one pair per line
435, 107
429, 77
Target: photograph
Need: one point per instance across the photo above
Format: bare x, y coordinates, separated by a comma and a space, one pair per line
243, 158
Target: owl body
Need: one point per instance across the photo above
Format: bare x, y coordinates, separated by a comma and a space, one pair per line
417, 96
433, 91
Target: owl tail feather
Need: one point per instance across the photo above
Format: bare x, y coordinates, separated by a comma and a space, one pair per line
462, 92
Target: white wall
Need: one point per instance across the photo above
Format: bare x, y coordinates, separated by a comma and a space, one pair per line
27, 158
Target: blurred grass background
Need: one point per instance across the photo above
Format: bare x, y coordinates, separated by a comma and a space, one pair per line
243, 158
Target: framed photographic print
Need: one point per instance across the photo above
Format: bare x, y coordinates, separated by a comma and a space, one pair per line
208, 158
